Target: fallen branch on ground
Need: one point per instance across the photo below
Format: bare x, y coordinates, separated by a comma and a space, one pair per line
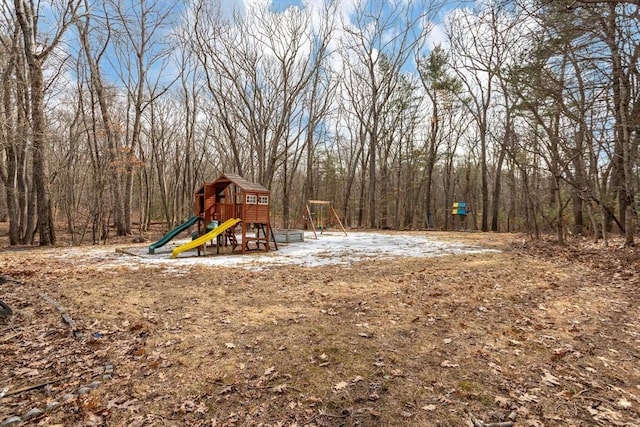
35, 386
479, 423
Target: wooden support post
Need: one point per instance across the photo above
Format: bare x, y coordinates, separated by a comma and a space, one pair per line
338, 219
310, 219
273, 237
333, 211
244, 237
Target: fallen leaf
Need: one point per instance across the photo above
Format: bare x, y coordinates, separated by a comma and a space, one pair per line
313, 401
93, 420
281, 388
429, 408
602, 413
269, 371
447, 364
445, 400
226, 390
230, 345
187, 406
623, 403
341, 385
550, 380
528, 398
495, 367
503, 402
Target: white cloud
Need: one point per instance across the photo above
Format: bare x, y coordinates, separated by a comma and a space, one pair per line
437, 37
229, 8
256, 4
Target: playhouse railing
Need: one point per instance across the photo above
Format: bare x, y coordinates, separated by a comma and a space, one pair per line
227, 211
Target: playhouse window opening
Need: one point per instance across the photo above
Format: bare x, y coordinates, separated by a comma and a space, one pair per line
252, 199
263, 200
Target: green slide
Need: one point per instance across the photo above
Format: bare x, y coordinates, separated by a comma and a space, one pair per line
173, 233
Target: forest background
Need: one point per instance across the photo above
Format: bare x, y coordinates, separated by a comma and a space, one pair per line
114, 112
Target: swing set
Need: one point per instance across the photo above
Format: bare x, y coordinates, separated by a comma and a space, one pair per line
323, 209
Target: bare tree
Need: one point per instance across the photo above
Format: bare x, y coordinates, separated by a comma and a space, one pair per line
94, 55
259, 68
475, 42
376, 49
187, 161
36, 51
140, 30
576, 82
626, 106
14, 138
441, 87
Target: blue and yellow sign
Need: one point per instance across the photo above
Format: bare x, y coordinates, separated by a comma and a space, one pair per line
459, 208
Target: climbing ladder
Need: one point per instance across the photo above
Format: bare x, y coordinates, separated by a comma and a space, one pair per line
230, 235
263, 228
261, 239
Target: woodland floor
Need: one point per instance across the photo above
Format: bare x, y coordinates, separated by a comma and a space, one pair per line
534, 334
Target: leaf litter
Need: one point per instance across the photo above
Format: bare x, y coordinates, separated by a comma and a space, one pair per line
534, 332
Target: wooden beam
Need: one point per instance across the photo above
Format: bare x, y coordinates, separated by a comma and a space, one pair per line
310, 219
339, 222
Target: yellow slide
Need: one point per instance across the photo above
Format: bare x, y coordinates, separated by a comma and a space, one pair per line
206, 237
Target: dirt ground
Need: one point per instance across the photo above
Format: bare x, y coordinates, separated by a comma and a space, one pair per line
532, 335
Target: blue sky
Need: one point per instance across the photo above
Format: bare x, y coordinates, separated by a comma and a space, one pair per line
111, 66
435, 37
276, 5
279, 5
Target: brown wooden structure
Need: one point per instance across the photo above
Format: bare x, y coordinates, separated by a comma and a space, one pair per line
232, 196
320, 222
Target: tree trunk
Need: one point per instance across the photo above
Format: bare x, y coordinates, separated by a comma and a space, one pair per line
559, 209
484, 172
497, 188
372, 179
107, 121
46, 229
621, 100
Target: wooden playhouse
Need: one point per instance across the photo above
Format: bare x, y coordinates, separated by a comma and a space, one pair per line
231, 196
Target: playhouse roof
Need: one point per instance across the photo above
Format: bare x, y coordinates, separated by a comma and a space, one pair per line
241, 182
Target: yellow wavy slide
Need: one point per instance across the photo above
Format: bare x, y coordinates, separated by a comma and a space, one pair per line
202, 240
